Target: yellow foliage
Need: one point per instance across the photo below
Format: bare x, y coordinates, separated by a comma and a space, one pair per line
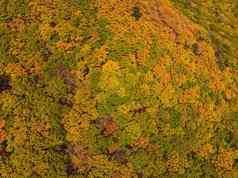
217, 85
85, 49
109, 79
208, 112
19, 131
135, 74
175, 163
224, 161
15, 70
45, 31
7, 101
41, 128
205, 150
101, 54
168, 96
190, 95
41, 167
16, 47
111, 66
181, 79
41, 11
109, 82
163, 73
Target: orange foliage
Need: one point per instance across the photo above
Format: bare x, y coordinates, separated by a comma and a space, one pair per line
190, 95
15, 70
205, 150
224, 161
64, 45
3, 133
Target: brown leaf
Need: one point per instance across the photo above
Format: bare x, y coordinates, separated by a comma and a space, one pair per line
113, 148
4, 83
79, 159
140, 175
65, 102
61, 148
3, 152
109, 127
71, 170
120, 156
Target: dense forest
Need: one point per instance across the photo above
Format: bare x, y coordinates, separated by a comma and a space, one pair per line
118, 89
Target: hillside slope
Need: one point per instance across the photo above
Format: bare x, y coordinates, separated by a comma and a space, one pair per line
119, 88
220, 18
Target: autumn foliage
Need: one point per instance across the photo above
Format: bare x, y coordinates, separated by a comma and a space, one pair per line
119, 88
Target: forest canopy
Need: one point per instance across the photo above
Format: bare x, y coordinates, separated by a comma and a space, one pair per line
118, 88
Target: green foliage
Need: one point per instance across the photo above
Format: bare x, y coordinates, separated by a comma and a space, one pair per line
220, 19
155, 51
13, 8
175, 117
